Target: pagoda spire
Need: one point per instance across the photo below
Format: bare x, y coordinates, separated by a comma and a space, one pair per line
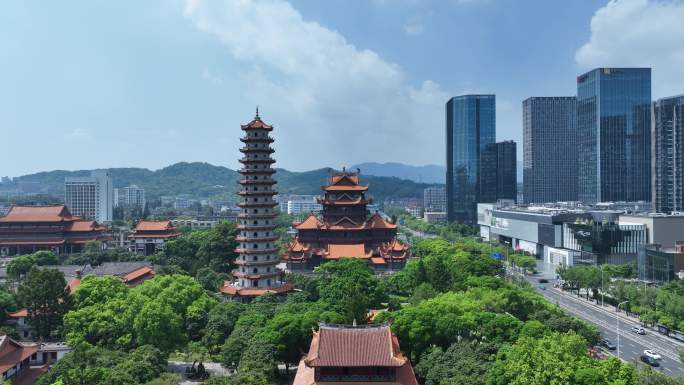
256, 117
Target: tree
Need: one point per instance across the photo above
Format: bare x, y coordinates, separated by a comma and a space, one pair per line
8, 303
220, 323
245, 328
19, 266
44, 257
349, 287
98, 290
463, 363
45, 296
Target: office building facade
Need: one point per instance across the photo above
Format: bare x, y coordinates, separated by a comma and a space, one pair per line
613, 135
470, 129
90, 197
506, 173
549, 149
667, 163
434, 199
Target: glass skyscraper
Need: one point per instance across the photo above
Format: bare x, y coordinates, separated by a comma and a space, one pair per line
668, 154
549, 149
613, 135
506, 170
470, 128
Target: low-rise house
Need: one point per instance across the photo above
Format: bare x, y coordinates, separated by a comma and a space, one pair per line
15, 357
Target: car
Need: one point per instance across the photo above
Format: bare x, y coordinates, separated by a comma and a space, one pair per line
653, 354
606, 343
542, 287
543, 280
638, 330
650, 361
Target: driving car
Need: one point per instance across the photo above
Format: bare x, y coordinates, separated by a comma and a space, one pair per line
542, 286
638, 330
649, 360
543, 280
653, 354
606, 343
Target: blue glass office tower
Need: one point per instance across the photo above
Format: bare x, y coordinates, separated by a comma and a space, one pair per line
549, 149
668, 154
613, 135
470, 129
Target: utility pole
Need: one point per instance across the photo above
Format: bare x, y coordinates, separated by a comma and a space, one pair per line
617, 326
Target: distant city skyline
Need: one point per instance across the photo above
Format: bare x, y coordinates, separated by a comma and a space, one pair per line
342, 83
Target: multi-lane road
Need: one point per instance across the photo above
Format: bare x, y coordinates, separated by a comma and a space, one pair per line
607, 320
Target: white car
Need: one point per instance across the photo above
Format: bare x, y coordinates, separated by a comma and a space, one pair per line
653, 354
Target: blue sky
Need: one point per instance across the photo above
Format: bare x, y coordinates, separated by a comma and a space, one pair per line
88, 84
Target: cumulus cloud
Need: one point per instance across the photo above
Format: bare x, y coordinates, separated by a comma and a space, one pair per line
639, 33
337, 102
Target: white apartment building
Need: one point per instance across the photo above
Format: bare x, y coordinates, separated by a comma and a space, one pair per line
131, 196
295, 207
434, 199
90, 197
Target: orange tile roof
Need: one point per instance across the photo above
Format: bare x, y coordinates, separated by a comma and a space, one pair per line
37, 214
73, 285
355, 250
378, 261
18, 314
351, 178
85, 226
12, 352
310, 223
138, 273
345, 188
154, 226
256, 123
227, 288
334, 346
31, 242
378, 222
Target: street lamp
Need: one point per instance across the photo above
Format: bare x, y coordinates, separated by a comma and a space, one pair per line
602, 285
617, 326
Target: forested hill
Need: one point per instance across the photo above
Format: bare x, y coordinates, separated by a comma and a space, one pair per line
203, 180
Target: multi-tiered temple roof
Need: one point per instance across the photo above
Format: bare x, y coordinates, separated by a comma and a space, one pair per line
257, 272
26, 229
345, 230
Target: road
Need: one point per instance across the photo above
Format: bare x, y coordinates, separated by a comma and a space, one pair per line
632, 345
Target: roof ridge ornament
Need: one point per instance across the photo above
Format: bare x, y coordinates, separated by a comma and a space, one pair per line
256, 117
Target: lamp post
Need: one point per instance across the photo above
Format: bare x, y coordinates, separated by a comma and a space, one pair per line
617, 326
602, 285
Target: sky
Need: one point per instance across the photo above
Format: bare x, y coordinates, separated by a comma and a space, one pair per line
96, 84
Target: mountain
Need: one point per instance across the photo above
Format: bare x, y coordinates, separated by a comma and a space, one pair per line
421, 174
203, 180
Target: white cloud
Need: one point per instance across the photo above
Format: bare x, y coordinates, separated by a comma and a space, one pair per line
334, 103
414, 27
639, 33
211, 77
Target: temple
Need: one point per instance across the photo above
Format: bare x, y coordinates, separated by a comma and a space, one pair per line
150, 236
257, 272
352, 355
27, 229
345, 230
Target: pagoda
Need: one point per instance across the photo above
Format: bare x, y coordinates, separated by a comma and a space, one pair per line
345, 229
257, 272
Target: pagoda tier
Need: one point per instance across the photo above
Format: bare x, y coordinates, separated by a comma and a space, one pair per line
345, 229
256, 270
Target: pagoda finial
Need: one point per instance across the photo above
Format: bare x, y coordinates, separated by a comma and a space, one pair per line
256, 117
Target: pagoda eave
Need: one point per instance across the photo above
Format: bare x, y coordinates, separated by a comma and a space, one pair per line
268, 182
257, 204
248, 160
256, 239
272, 250
238, 274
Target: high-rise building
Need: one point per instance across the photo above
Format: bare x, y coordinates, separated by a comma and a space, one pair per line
130, 197
667, 163
613, 135
549, 149
470, 128
257, 272
434, 199
90, 197
506, 170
